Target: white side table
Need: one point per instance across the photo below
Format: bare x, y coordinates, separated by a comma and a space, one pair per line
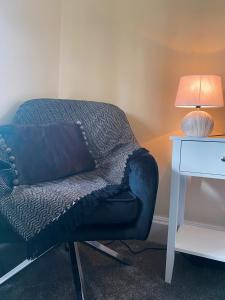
200, 157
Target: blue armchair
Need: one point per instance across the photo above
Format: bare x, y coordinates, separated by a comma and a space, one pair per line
126, 216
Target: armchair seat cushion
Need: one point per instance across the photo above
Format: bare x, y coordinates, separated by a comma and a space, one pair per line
7, 235
120, 209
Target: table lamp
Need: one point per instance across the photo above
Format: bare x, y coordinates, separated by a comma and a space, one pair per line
199, 91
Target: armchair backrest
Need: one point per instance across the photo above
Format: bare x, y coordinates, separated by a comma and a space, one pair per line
106, 125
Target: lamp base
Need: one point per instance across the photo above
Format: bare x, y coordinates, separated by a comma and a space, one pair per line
197, 123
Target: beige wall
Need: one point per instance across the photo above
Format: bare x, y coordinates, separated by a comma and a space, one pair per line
132, 53
29, 51
127, 52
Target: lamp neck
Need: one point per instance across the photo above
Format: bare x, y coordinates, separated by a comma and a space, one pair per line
198, 107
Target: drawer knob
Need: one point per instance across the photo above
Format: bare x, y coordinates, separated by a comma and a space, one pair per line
223, 159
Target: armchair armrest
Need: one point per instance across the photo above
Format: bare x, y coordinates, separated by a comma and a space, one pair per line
143, 182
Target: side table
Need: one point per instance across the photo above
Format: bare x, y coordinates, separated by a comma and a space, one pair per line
199, 157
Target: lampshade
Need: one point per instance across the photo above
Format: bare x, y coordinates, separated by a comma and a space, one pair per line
200, 90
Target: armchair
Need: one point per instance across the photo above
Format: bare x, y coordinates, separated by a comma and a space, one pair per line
125, 216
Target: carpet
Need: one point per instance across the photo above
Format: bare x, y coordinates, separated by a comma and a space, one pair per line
50, 278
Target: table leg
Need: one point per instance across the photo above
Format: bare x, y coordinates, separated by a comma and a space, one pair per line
182, 194
173, 221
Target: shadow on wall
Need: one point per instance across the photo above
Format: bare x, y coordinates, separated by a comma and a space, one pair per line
140, 129
206, 195
8, 114
204, 34
160, 147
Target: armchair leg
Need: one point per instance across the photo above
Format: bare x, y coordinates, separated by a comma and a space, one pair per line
77, 271
15, 270
109, 252
19, 268
78, 277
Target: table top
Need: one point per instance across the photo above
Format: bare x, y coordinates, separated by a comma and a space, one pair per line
212, 138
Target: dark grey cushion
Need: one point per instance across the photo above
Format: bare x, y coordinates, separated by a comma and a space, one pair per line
46, 152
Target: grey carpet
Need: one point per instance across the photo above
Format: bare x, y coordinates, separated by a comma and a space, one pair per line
50, 277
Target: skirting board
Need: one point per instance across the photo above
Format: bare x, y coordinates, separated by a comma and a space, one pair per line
158, 233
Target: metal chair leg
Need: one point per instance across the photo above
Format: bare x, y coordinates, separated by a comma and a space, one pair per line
76, 265
19, 268
77, 271
109, 252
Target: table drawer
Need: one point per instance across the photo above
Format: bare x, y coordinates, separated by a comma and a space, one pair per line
203, 157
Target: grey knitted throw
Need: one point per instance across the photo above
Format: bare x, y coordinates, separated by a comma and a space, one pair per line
33, 211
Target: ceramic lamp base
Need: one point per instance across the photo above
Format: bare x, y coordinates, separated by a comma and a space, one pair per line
197, 123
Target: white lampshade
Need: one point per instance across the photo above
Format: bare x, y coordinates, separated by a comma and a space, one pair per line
200, 91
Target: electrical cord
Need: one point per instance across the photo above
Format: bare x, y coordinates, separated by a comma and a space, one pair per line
134, 252
108, 243
142, 250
